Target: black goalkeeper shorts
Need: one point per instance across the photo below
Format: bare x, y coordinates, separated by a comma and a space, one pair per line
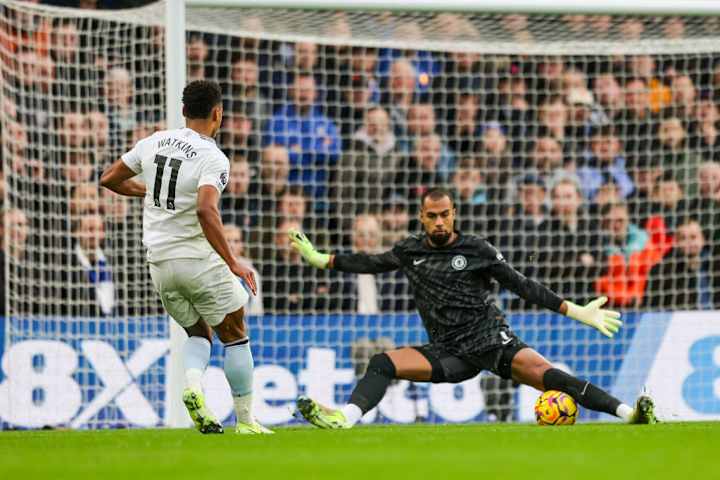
455, 368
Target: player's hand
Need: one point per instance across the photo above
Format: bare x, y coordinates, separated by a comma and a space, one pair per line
247, 276
300, 242
607, 321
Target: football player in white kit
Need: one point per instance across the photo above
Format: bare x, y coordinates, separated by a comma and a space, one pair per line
181, 176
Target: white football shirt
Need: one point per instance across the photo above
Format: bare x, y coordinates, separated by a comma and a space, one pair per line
173, 165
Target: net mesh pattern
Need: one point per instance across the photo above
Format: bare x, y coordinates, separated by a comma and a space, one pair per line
583, 147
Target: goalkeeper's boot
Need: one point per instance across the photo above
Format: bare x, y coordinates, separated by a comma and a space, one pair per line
253, 428
320, 416
644, 412
204, 420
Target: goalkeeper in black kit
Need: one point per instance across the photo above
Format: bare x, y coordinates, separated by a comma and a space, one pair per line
451, 275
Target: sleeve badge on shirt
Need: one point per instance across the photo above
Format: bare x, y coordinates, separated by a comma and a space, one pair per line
223, 179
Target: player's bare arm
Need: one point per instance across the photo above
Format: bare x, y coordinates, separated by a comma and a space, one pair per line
118, 178
211, 223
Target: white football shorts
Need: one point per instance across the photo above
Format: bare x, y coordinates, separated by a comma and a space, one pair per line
195, 288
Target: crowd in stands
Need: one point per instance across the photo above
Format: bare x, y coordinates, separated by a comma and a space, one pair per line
597, 175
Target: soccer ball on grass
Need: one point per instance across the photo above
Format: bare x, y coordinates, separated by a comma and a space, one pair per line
555, 408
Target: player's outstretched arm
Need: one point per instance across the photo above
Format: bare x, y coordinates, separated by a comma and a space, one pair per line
606, 321
352, 263
118, 178
211, 224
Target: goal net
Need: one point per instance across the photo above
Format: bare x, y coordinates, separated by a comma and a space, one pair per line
582, 146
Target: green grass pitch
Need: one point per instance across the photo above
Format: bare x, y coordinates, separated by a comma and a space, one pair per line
678, 451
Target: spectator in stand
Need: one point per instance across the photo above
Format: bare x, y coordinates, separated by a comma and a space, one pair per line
372, 294
426, 66
636, 124
90, 279
421, 122
310, 137
395, 220
568, 244
15, 257
234, 237
34, 82
548, 76
464, 130
519, 231
420, 169
85, 198
245, 90
688, 277
646, 171
400, 94
26, 172
631, 29
197, 55
605, 163
495, 161
644, 67
120, 107
546, 161
290, 285
471, 199
669, 200
237, 135
73, 131
705, 137
706, 205
368, 167
293, 205
349, 111
461, 77
677, 156
609, 95
99, 126
274, 173
76, 76
234, 203
629, 254
583, 117
683, 97
553, 118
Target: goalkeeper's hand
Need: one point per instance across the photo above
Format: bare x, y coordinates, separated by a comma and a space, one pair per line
300, 242
607, 321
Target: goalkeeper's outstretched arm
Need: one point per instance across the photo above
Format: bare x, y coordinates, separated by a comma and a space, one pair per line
352, 263
606, 321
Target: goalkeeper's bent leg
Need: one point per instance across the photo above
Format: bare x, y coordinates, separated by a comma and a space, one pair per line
371, 388
585, 393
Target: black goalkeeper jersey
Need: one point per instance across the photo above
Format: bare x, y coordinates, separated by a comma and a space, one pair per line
452, 286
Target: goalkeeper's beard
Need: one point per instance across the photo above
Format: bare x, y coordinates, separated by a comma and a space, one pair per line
440, 239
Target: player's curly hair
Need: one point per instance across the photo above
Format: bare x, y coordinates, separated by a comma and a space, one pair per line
199, 98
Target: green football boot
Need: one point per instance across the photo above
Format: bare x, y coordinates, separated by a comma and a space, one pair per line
644, 411
204, 420
320, 416
252, 429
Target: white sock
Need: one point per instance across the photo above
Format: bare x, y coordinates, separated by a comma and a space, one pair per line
196, 356
243, 408
352, 413
239, 373
625, 412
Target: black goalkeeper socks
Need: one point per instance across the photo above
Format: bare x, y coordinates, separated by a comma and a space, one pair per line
584, 392
372, 387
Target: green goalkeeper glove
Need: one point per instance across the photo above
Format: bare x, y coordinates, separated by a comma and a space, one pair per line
607, 321
300, 242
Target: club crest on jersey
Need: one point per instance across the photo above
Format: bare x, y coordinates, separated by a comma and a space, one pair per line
223, 179
459, 262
